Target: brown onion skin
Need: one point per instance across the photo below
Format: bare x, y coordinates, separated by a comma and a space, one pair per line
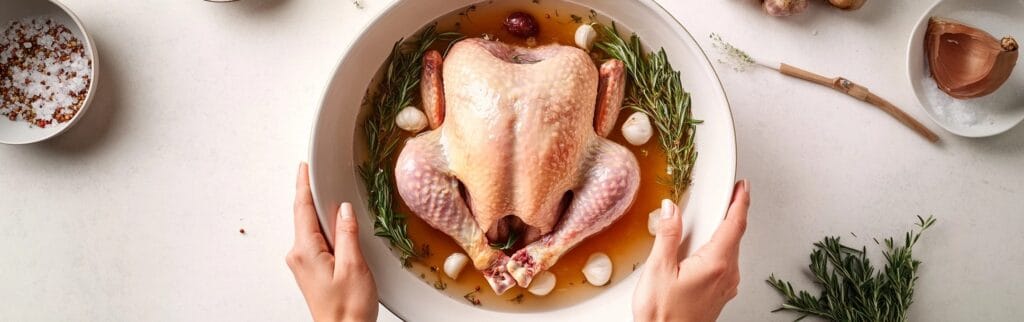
847, 4
522, 24
783, 8
967, 62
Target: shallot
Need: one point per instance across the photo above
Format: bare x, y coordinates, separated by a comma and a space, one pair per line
454, 263
781, 8
637, 129
411, 119
522, 24
542, 284
598, 269
585, 36
968, 62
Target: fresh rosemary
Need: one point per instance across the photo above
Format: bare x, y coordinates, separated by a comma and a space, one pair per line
513, 237
852, 289
658, 92
396, 90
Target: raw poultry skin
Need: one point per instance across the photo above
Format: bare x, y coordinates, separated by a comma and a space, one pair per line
517, 145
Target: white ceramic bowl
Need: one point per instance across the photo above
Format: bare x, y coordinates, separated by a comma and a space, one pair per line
336, 142
20, 132
980, 117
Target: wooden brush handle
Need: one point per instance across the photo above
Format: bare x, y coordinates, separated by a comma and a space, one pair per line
805, 75
861, 93
907, 120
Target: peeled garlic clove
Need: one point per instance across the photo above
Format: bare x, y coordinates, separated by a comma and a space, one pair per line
542, 284
967, 62
411, 119
781, 8
585, 36
653, 219
637, 129
598, 269
454, 263
847, 4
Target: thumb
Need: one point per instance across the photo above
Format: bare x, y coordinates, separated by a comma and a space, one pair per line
346, 238
664, 253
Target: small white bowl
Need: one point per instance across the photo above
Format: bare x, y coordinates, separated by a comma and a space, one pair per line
979, 117
20, 132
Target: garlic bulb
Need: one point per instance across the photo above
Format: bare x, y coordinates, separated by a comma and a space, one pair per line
454, 263
967, 62
653, 219
847, 4
598, 269
542, 284
585, 36
637, 129
781, 8
411, 119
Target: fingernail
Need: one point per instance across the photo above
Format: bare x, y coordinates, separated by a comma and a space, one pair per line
667, 209
746, 185
345, 210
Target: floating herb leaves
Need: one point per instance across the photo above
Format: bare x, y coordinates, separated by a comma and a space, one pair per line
657, 91
396, 90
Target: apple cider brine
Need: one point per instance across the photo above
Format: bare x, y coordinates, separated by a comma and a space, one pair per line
627, 241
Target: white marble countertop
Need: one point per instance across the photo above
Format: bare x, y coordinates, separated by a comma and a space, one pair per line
203, 115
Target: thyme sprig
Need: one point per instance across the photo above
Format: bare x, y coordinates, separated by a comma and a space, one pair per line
397, 89
658, 92
852, 289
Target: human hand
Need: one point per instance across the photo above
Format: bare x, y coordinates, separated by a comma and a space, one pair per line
697, 288
338, 286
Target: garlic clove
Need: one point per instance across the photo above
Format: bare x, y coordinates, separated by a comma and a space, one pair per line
542, 284
847, 4
598, 269
637, 129
585, 36
967, 62
454, 264
782, 8
411, 119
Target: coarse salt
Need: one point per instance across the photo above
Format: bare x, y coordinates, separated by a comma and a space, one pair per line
44, 72
956, 111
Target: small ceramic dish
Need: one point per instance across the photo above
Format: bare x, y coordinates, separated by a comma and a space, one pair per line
21, 131
979, 117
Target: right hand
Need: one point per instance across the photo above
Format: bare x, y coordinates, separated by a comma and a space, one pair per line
698, 287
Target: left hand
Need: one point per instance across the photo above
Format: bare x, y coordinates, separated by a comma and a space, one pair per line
338, 286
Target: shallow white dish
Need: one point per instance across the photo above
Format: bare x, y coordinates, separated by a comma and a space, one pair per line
336, 140
980, 117
20, 132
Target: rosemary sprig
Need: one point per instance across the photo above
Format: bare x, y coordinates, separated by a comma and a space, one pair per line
513, 237
396, 90
852, 289
658, 92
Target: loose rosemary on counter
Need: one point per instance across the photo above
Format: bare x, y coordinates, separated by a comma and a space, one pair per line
853, 289
657, 91
398, 88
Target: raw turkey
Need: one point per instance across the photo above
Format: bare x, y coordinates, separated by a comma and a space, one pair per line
517, 146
